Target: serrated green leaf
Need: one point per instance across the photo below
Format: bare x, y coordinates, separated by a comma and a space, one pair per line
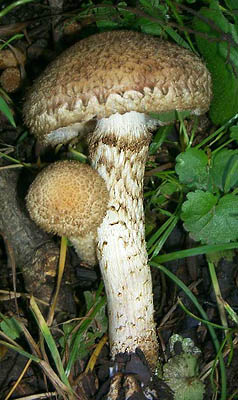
222, 61
224, 169
209, 219
181, 374
192, 168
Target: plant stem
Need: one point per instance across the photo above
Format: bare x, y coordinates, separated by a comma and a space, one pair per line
218, 295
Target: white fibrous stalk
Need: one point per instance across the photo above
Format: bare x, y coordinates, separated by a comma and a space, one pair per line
118, 151
85, 247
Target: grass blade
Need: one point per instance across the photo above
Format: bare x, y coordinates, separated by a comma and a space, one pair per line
49, 340
194, 252
4, 108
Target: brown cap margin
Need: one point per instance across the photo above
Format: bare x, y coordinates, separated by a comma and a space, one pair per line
118, 71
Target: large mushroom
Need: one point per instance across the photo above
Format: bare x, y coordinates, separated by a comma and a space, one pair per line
117, 79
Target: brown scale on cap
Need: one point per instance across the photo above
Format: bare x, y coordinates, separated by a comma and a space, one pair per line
68, 198
112, 72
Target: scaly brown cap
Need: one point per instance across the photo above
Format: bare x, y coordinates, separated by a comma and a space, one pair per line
68, 198
116, 72
10, 79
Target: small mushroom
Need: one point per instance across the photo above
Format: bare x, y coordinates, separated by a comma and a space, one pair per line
11, 58
12, 63
69, 198
117, 79
10, 79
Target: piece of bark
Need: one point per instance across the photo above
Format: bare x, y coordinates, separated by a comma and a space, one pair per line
35, 253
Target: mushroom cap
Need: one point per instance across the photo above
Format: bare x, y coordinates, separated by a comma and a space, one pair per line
68, 198
10, 79
116, 72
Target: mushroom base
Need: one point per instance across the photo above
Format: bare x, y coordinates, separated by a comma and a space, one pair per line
85, 247
120, 160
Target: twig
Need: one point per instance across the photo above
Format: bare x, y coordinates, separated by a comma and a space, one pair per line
12, 263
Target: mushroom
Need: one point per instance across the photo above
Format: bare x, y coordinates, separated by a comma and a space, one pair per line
11, 58
117, 79
10, 79
69, 199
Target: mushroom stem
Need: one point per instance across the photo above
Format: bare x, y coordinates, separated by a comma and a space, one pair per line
118, 150
85, 247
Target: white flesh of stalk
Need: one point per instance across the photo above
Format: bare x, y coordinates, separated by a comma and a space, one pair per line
118, 150
85, 247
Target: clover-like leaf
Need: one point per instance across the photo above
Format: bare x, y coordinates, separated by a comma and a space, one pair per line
210, 219
224, 169
181, 374
191, 167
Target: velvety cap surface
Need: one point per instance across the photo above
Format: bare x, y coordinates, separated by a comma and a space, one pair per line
68, 198
112, 72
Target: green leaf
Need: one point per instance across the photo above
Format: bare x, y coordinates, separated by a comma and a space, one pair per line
14, 4
176, 37
192, 168
234, 132
107, 24
149, 27
150, 4
232, 4
209, 219
169, 188
77, 337
224, 169
99, 323
11, 328
181, 374
49, 340
159, 138
95, 328
221, 59
146, 3
6, 111
20, 350
170, 116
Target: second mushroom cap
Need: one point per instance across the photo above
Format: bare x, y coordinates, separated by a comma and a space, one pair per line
68, 198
